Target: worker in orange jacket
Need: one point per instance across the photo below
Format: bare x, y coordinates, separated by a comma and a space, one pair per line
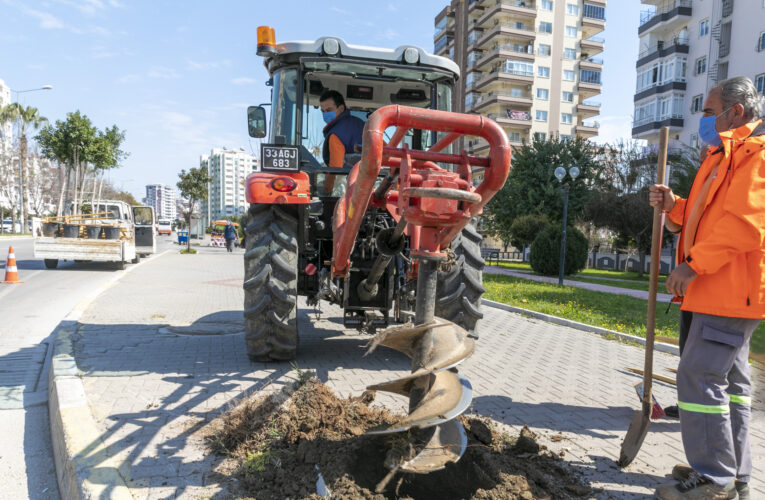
721, 280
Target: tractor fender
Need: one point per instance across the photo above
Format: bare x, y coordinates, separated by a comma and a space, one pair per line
260, 189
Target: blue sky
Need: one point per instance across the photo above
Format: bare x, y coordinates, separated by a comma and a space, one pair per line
177, 76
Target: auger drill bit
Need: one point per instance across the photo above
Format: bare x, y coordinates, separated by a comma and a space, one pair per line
437, 393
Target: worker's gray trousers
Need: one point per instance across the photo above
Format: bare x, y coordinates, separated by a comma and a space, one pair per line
714, 396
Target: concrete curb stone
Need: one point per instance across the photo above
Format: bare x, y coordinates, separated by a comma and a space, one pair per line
604, 332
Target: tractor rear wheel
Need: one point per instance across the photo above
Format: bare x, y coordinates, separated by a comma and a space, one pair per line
270, 283
460, 289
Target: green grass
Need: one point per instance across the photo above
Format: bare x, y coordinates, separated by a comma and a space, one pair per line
615, 312
188, 250
17, 235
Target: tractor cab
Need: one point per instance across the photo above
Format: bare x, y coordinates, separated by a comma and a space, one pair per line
368, 79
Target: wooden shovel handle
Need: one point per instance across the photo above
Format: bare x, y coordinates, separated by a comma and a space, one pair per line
653, 283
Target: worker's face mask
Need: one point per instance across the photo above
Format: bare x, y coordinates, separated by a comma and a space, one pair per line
328, 116
708, 129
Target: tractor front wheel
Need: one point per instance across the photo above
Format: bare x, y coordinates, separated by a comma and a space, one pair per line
460, 289
270, 283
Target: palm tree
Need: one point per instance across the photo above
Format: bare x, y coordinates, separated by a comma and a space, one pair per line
24, 116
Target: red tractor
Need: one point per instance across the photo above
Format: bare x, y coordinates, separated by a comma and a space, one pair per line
392, 241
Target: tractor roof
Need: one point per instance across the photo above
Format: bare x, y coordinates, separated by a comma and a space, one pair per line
289, 52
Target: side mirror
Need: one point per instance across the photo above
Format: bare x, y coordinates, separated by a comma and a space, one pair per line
256, 121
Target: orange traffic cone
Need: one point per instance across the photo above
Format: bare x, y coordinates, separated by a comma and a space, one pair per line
11, 273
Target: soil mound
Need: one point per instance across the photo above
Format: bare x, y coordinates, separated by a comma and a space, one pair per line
292, 444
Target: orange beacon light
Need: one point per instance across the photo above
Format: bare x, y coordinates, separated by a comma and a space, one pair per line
266, 41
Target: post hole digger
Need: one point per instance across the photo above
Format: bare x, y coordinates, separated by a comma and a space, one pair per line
391, 241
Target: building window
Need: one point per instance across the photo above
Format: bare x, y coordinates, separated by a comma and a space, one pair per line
543, 94
541, 116
571, 31
696, 103
572, 9
565, 138
544, 50
545, 27
569, 53
761, 42
521, 68
703, 28
515, 137
516, 92
694, 140
759, 82
543, 71
701, 65
566, 118
540, 136
546, 4
567, 96
568, 75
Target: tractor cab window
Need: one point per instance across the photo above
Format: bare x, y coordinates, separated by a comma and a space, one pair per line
365, 88
284, 108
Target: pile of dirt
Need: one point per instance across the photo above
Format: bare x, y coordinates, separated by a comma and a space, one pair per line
277, 445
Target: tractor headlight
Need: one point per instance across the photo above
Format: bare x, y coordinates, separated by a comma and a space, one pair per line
411, 55
331, 47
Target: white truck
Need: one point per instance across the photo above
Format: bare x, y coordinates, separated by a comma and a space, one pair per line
113, 232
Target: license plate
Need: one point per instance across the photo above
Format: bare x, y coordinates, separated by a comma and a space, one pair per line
280, 158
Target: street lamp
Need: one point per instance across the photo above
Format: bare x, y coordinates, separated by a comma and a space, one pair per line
560, 174
21, 163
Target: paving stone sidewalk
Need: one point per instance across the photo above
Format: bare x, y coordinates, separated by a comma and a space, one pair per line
154, 377
640, 294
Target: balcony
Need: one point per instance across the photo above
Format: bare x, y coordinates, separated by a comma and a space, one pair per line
477, 4
522, 77
660, 88
588, 109
678, 45
502, 97
649, 125
516, 118
591, 63
506, 50
441, 45
518, 31
519, 8
593, 45
587, 129
593, 20
669, 15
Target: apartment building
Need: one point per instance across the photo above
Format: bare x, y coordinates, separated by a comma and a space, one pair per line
163, 199
6, 129
531, 65
228, 169
686, 47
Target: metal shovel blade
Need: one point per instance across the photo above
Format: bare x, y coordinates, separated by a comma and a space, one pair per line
634, 439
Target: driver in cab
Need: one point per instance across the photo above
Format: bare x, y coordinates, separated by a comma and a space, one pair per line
342, 134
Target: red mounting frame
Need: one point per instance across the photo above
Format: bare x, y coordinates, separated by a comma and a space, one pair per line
437, 203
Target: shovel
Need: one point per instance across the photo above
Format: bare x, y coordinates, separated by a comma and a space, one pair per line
642, 419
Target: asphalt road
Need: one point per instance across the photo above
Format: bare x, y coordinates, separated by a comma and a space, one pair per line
29, 315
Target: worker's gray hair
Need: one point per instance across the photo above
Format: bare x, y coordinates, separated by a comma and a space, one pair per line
741, 90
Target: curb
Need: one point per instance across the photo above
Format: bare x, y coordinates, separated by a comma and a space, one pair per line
84, 468
603, 332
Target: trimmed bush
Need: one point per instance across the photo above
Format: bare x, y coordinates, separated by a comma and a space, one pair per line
545, 251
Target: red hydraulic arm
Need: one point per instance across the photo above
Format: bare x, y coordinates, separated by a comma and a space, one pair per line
435, 202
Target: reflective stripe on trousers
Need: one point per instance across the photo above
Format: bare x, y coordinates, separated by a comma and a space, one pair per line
713, 388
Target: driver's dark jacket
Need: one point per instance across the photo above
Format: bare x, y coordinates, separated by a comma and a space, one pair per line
345, 127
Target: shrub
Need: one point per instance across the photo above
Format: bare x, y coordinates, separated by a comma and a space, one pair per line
545, 251
525, 229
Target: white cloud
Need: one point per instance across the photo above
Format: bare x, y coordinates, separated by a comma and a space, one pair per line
392, 8
163, 73
207, 65
338, 11
131, 78
243, 80
47, 21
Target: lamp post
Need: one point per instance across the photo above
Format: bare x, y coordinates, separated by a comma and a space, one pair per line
22, 160
560, 174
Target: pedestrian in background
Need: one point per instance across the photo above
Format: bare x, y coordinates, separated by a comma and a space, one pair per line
721, 280
229, 234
